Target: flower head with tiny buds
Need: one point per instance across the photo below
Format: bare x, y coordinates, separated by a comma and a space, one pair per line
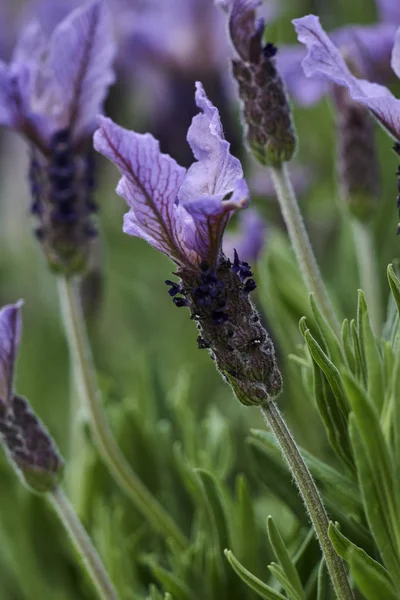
184, 214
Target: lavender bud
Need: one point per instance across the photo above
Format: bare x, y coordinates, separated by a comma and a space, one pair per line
357, 159
230, 327
29, 446
266, 111
62, 192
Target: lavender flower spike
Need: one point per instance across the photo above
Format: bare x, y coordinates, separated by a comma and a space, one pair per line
324, 59
27, 442
266, 111
184, 214
51, 93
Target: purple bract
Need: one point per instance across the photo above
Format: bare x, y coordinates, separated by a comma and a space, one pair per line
324, 59
181, 213
10, 333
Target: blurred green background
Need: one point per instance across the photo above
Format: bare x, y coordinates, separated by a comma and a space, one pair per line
163, 396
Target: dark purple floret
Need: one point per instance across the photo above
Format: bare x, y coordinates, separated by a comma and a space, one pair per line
180, 302
270, 50
174, 289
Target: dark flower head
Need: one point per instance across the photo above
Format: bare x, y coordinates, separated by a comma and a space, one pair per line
27, 442
184, 214
266, 111
324, 59
51, 93
181, 213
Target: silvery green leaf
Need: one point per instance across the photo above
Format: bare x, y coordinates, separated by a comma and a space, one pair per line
376, 476
293, 587
261, 588
371, 354
331, 343
323, 582
247, 537
370, 576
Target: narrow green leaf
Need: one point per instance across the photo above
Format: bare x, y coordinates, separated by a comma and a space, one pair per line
372, 357
348, 346
155, 593
394, 284
373, 584
330, 371
284, 582
360, 370
216, 508
261, 588
332, 345
246, 527
284, 559
332, 417
346, 549
171, 583
376, 482
323, 583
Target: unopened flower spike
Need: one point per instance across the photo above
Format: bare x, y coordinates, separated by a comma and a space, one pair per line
51, 93
184, 214
27, 442
267, 115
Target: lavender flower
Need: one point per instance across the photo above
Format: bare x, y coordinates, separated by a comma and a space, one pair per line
51, 93
270, 132
367, 46
184, 214
324, 59
26, 440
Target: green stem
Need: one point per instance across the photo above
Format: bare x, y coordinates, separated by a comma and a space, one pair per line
103, 437
311, 498
301, 243
369, 272
83, 545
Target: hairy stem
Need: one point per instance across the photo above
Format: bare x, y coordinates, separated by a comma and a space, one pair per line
369, 272
311, 498
83, 545
301, 243
103, 438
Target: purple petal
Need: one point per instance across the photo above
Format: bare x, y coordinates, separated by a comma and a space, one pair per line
323, 58
150, 185
242, 25
216, 171
389, 11
395, 62
210, 215
9, 114
10, 333
250, 238
81, 55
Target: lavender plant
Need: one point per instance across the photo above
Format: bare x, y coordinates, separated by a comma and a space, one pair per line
172, 487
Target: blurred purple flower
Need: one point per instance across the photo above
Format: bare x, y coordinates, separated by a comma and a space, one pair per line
368, 47
59, 83
324, 59
249, 239
10, 333
181, 213
51, 93
261, 183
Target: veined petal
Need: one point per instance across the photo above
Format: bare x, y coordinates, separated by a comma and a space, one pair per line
150, 185
216, 171
81, 54
324, 58
210, 215
10, 333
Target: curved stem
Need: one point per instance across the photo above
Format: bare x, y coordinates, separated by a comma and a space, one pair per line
83, 544
369, 272
311, 498
103, 438
301, 243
